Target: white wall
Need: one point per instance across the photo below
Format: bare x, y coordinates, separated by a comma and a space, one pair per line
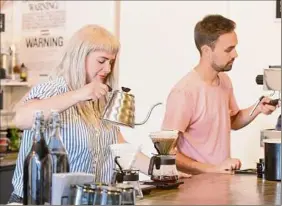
158, 49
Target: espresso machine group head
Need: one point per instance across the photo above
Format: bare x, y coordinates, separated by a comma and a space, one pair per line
270, 79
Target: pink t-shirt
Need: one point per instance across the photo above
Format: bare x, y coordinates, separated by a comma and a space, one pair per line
202, 112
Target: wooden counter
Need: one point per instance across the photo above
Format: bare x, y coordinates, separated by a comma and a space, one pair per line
218, 189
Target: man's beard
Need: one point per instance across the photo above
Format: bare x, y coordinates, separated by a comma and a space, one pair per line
224, 68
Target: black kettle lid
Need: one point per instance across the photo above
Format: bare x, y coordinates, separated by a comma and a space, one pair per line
125, 89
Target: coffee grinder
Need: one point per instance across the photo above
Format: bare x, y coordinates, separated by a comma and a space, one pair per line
162, 168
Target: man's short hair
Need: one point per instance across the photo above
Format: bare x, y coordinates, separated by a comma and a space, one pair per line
210, 28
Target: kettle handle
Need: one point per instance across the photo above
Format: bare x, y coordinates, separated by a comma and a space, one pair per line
149, 114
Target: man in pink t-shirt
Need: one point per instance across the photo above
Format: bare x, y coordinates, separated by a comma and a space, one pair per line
202, 106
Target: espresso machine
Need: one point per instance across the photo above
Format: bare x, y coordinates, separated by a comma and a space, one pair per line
269, 168
162, 168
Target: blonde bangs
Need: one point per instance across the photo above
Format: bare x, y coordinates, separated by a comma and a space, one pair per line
107, 44
100, 40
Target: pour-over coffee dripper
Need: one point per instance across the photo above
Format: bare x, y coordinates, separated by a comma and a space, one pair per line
162, 168
164, 141
163, 165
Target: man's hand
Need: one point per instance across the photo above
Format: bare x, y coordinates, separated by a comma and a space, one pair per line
246, 116
228, 166
264, 106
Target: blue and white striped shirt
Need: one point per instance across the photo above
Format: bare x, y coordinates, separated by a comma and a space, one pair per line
87, 147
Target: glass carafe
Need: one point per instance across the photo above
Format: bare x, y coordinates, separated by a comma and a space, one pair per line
163, 168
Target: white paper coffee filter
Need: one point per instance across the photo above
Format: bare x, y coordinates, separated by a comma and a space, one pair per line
127, 153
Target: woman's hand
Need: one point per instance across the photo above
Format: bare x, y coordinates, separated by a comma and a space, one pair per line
92, 91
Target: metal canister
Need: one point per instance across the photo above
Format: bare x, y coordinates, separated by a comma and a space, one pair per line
99, 194
76, 194
107, 195
92, 188
82, 194
127, 194
88, 194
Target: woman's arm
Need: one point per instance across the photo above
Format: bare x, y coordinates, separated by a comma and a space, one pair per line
24, 111
46, 98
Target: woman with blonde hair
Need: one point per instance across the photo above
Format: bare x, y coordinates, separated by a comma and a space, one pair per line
84, 73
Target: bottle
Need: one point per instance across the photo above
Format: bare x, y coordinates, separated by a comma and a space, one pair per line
260, 168
60, 162
59, 156
1, 99
23, 73
15, 69
37, 175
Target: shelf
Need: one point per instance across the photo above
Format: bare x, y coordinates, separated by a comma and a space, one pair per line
7, 113
6, 82
6, 118
6, 124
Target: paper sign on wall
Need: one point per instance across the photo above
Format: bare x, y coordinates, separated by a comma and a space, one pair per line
43, 31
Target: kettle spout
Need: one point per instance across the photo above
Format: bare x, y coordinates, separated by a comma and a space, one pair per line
149, 114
